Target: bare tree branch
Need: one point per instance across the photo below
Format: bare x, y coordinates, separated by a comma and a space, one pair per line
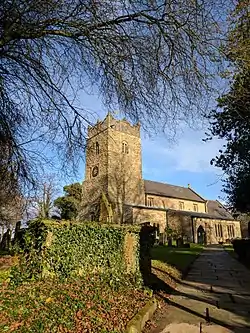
154, 60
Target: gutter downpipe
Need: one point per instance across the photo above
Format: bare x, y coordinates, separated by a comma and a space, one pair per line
192, 218
167, 224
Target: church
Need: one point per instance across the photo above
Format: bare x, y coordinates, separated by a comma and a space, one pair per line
115, 192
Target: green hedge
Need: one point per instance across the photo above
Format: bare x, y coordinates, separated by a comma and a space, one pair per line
242, 248
66, 249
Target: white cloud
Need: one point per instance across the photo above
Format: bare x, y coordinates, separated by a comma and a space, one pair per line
190, 153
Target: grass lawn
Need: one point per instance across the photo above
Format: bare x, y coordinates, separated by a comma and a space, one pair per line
180, 258
229, 248
168, 266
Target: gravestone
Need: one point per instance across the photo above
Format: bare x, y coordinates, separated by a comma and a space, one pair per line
17, 230
147, 239
179, 242
5, 243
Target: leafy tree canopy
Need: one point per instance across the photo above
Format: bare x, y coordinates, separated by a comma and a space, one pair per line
69, 203
231, 121
233, 125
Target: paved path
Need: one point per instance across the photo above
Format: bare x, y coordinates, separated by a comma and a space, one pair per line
215, 296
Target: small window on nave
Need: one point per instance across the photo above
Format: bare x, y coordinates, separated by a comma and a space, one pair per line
150, 202
181, 205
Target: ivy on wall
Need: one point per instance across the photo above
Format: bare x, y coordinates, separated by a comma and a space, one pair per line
66, 249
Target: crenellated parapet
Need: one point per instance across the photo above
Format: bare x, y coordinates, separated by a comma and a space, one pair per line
115, 124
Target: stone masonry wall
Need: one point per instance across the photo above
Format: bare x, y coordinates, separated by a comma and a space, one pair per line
174, 203
209, 227
125, 184
125, 169
141, 215
118, 161
245, 225
245, 228
94, 186
180, 224
118, 125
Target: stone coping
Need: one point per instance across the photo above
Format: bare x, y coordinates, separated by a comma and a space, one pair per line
137, 323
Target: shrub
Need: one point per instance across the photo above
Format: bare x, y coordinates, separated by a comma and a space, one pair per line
67, 249
242, 248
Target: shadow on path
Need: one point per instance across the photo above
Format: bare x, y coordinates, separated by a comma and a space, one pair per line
215, 291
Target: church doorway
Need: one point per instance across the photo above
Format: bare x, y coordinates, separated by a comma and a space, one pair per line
201, 235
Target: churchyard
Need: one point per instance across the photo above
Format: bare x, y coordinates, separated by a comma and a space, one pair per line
70, 277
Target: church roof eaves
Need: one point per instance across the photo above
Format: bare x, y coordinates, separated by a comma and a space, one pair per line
184, 212
202, 215
217, 209
171, 191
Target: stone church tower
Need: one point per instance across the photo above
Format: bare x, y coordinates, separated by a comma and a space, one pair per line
113, 172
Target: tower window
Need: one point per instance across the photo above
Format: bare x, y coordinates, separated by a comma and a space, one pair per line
97, 148
125, 147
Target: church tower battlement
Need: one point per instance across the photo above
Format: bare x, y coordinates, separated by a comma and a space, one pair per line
119, 125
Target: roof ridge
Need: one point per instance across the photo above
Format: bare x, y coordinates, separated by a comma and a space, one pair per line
197, 194
155, 181
170, 190
223, 206
216, 205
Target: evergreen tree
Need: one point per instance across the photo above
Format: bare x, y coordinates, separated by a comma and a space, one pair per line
231, 121
69, 203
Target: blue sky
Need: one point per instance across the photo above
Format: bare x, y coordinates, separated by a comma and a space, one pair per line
185, 161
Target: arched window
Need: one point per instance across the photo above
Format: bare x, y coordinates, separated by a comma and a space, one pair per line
216, 230
125, 147
230, 231
150, 202
221, 232
97, 148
